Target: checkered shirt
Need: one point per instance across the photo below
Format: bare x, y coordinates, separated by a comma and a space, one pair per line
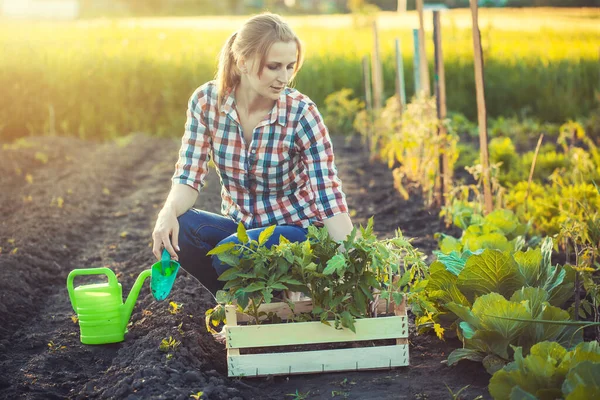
286, 175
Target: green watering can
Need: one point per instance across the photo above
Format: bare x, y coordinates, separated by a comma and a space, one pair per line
102, 315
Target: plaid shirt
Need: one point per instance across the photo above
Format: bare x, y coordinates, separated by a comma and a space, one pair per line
286, 175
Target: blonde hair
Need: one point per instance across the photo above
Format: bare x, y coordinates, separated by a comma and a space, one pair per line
255, 37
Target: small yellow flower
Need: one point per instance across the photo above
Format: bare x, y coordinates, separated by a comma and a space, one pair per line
29, 178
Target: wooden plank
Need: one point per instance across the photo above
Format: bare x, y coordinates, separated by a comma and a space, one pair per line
381, 357
284, 311
299, 333
231, 318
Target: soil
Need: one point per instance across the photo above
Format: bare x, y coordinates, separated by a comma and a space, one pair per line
67, 203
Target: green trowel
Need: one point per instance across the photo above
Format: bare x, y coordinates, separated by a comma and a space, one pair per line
163, 276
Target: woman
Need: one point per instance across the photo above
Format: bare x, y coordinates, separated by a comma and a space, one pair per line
270, 148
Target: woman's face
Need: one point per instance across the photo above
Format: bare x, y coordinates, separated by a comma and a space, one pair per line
277, 72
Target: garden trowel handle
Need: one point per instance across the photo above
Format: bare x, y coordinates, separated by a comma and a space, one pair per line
165, 261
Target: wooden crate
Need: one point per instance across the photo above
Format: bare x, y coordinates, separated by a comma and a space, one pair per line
239, 337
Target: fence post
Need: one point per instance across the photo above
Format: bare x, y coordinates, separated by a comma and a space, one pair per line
481, 112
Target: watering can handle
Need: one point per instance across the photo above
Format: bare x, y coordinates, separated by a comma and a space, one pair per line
112, 279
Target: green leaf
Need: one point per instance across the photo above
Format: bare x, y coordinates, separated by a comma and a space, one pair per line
477, 241
278, 286
529, 263
490, 271
335, 264
241, 234
222, 297
230, 259
267, 295
229, 274
453, 262
467, 330
450, 244
464, 313
464, 354
532, 298
445, 281
584, 393
493, 304
503, 219
348, 321
266, 234
254, 287
221, 248
290, 281
519, 394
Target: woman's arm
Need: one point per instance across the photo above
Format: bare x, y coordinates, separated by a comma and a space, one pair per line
188, 179
166, 231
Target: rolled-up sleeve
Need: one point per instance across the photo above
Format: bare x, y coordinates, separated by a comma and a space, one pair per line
316, 152
192, 165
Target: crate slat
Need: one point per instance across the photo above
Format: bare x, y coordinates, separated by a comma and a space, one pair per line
318, 361
284, 311
299, 333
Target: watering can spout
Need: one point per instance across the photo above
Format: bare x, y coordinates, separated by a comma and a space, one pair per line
127, 308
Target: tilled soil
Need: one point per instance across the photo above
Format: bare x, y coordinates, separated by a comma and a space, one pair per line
66, 203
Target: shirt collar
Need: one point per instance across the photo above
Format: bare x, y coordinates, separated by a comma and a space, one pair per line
278, 112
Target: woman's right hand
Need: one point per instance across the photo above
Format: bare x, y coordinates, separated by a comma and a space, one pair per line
166, 234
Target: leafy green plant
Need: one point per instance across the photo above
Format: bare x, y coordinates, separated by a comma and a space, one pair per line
487, 337
550, 372
341, 284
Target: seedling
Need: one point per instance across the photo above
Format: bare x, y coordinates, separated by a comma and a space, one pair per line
299, 395
197, 396
175, 308
169, 344
53, 347
335, 393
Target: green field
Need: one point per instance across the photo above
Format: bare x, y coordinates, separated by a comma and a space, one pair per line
105, 78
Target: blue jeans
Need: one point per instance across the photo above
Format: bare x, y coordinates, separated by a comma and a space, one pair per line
201, 231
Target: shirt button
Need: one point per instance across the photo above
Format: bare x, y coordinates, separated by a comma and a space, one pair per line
253, 151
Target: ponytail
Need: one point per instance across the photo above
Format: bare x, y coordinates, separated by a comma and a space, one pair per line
227, 74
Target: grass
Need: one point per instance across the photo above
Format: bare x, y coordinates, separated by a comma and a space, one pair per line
103, 78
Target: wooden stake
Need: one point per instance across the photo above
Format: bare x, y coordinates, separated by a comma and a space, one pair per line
368, 98
425, 87
400, 86
440, 96
481, 112
377, 71
416, 62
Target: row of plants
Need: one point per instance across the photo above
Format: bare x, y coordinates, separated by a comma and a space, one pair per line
498, 286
